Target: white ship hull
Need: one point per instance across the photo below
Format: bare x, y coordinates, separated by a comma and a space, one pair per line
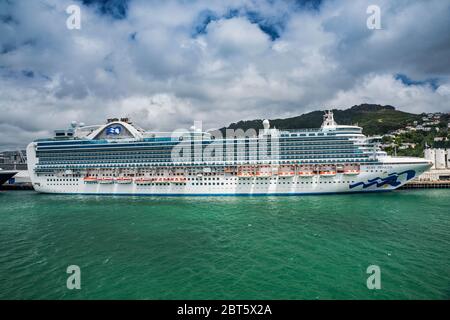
383, 178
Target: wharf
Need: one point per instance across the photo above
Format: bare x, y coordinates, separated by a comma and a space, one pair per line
22, 186
439, 184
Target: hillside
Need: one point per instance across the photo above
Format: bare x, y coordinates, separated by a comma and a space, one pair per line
375, 119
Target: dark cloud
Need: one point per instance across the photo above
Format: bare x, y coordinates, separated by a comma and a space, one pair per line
309, 4
115, 8
433, 83
28, 73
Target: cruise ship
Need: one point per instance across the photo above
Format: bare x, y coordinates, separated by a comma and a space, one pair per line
120, 158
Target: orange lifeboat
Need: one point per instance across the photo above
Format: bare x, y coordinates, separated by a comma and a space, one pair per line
286, 171
90, 179
305, 171
106, 180
264, 171
246, 172
327, 170
327, 173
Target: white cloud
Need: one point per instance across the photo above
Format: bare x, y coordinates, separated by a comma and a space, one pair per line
385, 89
444, 90
236, 36
154, 67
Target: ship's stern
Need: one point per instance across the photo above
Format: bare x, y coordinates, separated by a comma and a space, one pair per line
31, 163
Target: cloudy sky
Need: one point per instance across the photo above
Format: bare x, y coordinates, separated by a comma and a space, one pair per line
168, 63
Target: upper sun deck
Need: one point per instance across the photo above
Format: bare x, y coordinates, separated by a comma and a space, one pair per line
122, 130
328, 127
339, 129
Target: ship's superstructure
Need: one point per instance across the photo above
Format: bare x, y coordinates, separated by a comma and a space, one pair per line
121, 158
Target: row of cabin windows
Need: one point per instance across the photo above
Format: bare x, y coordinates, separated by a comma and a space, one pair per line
43, 168
282, 153
220, 183
291, 155
168, 144
246, 145
249, 183
247, 149
205, 178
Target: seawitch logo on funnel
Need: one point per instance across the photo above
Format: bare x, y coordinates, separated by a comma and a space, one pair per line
114, 130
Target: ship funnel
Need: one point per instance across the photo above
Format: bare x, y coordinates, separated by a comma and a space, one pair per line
328, 119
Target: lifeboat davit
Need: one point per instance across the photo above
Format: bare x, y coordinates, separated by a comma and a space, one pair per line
141, 181
352, 169
352, 172
124, 180
179, 180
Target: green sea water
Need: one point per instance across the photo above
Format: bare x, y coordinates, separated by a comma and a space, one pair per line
312, 247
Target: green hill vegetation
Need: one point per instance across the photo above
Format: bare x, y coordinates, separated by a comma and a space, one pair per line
375, 119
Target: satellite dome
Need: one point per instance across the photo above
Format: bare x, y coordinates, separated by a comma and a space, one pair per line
266, 124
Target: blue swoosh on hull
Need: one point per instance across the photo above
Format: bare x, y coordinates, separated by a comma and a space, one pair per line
391, 179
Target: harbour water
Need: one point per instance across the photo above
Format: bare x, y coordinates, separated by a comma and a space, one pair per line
312, 247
